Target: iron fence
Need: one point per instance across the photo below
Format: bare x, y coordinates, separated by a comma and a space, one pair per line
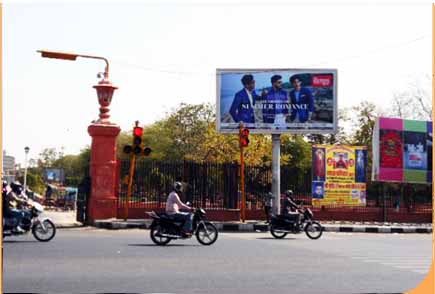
217, 186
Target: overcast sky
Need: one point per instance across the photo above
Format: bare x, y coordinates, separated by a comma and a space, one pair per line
164, 53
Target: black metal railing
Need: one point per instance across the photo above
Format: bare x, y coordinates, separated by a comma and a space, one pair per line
216, 186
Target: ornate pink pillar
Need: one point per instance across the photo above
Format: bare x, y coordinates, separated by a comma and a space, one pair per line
103, 170
103, 200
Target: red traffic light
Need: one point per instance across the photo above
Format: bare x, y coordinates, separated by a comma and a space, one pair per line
138, 131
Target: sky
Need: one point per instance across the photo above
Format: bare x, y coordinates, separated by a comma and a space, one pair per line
165, 53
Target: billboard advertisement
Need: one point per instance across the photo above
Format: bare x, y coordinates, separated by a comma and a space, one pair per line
402, 151
339, 175
277, 100
54, 175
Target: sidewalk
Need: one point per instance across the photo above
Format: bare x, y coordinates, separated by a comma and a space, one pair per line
260, 226
62, 219
67, 219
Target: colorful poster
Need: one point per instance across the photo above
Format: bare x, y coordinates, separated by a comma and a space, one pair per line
344, 181
277, 100
319, 164
392, 150
402, 151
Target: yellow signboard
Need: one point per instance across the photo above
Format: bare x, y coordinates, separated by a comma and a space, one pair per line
339, 175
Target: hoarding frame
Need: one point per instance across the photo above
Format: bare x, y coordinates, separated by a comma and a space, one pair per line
220, 71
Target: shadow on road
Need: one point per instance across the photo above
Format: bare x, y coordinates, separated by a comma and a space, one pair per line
18, 241
271, 238
168, 245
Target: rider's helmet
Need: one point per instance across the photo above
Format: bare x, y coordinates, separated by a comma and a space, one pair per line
289, 193
17, 187
5, 184
178, 187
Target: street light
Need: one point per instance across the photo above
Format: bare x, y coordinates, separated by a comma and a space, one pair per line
104, 88
26, 151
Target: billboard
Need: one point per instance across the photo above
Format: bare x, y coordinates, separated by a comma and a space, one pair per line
339, 175
277, 100
54, 175
402, 151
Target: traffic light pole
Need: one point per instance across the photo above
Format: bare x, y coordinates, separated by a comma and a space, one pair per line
242, 179
130, 183
276, 173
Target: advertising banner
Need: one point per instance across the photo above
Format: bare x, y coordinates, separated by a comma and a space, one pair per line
54, 175
402, 151
339, 175
277, 100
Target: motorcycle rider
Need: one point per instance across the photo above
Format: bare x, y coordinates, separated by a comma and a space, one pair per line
290, 209
14, 204
173, 206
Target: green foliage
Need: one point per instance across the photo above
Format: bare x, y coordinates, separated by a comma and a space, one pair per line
295, 152
363, 126
35, 181
47, 157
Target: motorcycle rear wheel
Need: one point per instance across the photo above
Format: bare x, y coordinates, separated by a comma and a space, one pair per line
313, 230
277, 235
158, 240
44, 235
207, 235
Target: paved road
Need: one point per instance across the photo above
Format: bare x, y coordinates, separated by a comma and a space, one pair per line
89, 260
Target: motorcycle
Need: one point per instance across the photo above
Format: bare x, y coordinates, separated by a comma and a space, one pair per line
281, 226
43, 229
164, 229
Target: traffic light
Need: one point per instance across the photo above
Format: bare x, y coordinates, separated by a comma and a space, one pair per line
137, 140
244, 137
137, 148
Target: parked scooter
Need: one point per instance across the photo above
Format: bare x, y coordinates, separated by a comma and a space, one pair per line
164, 229
280, 226
43, 229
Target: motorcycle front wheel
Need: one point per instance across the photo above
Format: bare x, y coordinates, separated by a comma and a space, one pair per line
155, 232
207, 233
277, 235
44, 235
313, 230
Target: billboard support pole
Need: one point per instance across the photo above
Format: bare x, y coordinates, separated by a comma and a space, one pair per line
276, 173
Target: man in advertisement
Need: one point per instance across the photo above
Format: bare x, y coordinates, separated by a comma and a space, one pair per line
318, 190
275, 109
360, 166
341, 162
244, 100
302, 101
319, 163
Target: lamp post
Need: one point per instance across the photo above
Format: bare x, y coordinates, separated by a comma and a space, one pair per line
26, 151
104, 88
103, 199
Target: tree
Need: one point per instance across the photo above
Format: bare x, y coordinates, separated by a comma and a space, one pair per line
75, 166
414, 103
363, 126
47, 157
339, 138
34, 181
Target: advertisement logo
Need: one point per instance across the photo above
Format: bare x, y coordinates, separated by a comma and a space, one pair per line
322, 80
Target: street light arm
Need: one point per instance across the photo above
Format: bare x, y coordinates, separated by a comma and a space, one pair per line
73, 56
106, 71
